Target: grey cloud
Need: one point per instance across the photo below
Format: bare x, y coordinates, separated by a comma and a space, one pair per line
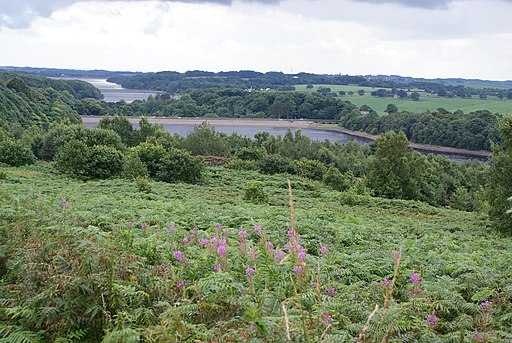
412, 3
20, 13
427, 4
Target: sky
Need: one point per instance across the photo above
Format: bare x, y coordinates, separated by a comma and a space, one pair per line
418, 38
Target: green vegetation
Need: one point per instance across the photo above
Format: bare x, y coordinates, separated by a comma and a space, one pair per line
429, 103
476, 130
101, 261
134, 238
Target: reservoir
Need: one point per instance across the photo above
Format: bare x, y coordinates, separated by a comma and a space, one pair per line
113, 92
251, 127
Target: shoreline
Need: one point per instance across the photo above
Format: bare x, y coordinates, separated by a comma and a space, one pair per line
292, 124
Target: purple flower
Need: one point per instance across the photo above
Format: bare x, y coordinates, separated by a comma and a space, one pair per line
178, 255
144, 225
213, 240
415, 278
225, 232
432, 320
330, 291
217, 267
217, 225
279, 254
477, 337
129, 225
171, 228
221, 250
486, 305
258, 228
269, 245
180, 284
386, 282
324, 250
297, 269
249, 272
203, 241
63, 201
327, 318
301, 255
192, 236
195, 229
185, 240
242, 234
290, 233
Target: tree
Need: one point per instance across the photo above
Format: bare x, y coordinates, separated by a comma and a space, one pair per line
415, 96
391, 108
309, 86
394, 173
361, 92
499, 188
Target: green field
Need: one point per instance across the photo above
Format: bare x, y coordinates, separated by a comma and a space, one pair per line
96, 261
430, 103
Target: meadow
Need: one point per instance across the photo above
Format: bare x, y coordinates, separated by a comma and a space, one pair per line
120, 261
424, 104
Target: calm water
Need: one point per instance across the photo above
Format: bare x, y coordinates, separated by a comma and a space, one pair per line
114, 92
314, 134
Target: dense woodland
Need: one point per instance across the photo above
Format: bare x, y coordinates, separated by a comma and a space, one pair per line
174, 82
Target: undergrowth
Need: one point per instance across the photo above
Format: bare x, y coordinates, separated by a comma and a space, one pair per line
102, 261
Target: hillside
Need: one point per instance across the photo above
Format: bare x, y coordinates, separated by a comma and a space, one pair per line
23, 105
103, 260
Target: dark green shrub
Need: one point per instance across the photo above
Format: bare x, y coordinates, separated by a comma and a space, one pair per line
311, 169
274, 164
151, 156
336, 180
204, 140
121, 126
58, 136
133, 166
254, 192
103, 162
14, 153
178, 165
250, 153
96, 162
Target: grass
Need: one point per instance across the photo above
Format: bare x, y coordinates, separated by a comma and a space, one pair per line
430, 103
460, 260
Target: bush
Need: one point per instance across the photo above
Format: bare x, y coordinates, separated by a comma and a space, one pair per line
255, 192
311, 169
58, 136
96, 162
204, 140
178, 165
143, 184
133, 166
250, 153
274, 164
336, 180
150, 155
15, 154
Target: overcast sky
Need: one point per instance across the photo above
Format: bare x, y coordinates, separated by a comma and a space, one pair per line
421, 38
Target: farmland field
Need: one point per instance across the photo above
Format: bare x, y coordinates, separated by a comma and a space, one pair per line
104, 259
430, 103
